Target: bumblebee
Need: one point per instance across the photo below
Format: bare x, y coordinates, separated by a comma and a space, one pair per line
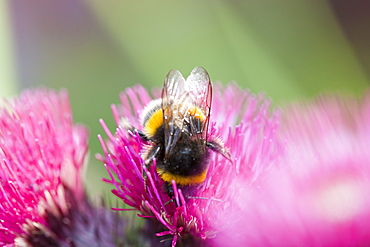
175, 127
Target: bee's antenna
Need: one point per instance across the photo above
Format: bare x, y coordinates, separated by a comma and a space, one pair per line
125, 123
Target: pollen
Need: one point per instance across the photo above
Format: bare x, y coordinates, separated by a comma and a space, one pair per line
153, 123
197, 113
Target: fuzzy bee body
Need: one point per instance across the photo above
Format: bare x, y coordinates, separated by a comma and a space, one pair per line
175, 127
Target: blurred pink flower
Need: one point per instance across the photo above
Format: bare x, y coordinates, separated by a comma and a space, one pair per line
42, 199
318, 193
248, 128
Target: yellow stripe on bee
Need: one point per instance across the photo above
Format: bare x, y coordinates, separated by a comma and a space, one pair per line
182, 180
153, 123
156, 120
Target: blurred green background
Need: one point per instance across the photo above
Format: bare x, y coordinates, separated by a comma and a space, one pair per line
290, 49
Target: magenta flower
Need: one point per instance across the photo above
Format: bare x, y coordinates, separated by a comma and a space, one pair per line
248, 129
42, 199
302, 180
318, 193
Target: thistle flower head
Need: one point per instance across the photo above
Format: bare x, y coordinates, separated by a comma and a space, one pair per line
42, 200
246, 126
317, 194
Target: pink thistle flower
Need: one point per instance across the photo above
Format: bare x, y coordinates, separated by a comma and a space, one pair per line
42, 199
248, 128
318, 193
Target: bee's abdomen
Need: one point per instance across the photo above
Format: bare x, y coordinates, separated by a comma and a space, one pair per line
187, 164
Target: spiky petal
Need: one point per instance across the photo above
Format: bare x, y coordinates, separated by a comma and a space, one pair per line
42, 200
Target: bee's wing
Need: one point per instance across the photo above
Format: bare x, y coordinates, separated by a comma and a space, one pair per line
199, 87
172, 89
178, 95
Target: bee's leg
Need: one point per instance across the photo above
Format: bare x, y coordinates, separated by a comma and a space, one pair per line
216, 145
148, 156
140, 133
127, 125
168, 189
